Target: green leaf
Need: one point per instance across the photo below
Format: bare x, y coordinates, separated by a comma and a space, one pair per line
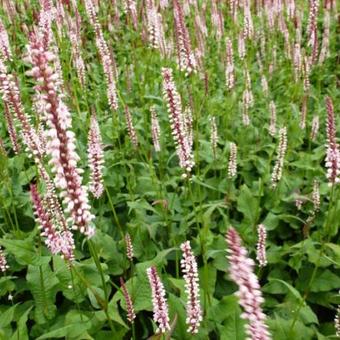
43, 285
57, 333
69, 284
223, 309
21, 331
248, 204
325, 281
24, 251
7, 316
281, 329
335, 248
6, 285
207, 277
293, 290
233, 326
177, 307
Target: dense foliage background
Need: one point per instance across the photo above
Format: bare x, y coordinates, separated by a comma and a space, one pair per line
147, 196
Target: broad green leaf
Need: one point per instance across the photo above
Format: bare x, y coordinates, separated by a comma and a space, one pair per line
43, 285
57, 333
7, 316
24, 251
232, 327
248, 204
21, 331
69, 283
325, 281
293, 290
281, 329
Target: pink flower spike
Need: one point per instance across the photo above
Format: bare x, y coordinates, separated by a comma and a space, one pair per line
232, 164
55, 241
129, 247
129, 305
180, 122
5, 48
193, 307
131, 129
155, 130
160, 305
241, 271
261, 245
333, 153
281, 152
3, 261
96, 158
61, 143
186, 58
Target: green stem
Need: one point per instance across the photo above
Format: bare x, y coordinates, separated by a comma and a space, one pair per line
133, 331
114, 211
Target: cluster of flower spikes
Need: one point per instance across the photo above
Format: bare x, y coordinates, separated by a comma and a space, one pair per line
105, 56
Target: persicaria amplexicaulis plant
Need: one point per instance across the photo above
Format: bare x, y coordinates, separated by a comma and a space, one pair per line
184, 100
